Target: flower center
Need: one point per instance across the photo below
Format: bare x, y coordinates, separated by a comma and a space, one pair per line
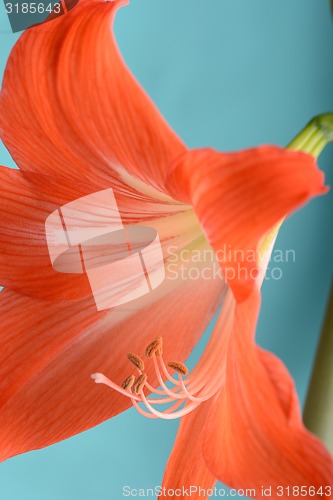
182, 394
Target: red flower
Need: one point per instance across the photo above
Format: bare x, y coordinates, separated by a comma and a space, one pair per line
76, 122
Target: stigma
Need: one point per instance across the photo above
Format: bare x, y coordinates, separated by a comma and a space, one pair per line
179, 391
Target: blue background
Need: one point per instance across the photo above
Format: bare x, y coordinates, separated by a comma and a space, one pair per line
227, 74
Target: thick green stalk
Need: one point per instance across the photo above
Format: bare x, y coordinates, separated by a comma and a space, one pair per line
315, 136
318, 413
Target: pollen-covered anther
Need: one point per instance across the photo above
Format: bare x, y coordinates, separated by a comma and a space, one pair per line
155, 347
177, 394
139, 384
179, 367
136, 360
128, 383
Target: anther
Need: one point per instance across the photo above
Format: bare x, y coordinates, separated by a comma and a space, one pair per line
136, 360
128, 383
178, 367
139, 384
155, 347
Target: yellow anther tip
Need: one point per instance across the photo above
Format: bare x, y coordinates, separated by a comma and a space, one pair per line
155, 347
179, 367
136, 360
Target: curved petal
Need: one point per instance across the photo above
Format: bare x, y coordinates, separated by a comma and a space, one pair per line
70, 106
27, 199
254, 436
50, 349
186, 470
190, 437
239, 197
25, 263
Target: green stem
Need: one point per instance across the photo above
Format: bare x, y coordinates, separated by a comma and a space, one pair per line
315, 136
318, 413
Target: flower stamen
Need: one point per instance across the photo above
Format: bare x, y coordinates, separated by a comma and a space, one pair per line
128, 383
178, 367
136, 360
139, 384
179, 397
155, 347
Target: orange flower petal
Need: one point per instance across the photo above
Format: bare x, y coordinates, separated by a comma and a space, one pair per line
70, 106
50, 349
254, 436
238, 197
25, 264
186, 466
26, 201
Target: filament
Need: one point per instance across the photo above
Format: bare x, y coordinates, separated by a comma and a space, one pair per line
182, 394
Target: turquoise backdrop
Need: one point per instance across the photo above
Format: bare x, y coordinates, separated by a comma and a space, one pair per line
227, 74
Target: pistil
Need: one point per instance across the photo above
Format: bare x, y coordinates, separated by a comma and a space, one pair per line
184, 394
